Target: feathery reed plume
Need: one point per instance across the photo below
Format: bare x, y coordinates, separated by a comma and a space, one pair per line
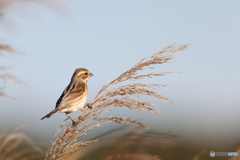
4, 75
18, 145
6, 48
53, 5
123, 96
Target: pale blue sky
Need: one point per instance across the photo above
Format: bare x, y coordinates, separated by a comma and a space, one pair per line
108, 37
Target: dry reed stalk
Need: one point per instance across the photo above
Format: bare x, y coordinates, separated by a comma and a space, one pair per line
123, 96
7, 48
4, 75
53, 5
18, 146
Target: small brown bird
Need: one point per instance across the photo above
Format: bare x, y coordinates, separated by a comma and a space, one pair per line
75, 94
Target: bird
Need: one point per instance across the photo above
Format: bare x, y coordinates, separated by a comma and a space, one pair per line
75, 94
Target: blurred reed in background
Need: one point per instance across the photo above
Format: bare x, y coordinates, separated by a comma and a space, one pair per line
7, 6
15, 145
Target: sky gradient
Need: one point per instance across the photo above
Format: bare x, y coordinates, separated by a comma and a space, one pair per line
108, 37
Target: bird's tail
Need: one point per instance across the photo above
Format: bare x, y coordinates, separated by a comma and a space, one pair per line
50, 114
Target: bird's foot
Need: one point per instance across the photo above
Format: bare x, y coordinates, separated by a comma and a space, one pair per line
74, 123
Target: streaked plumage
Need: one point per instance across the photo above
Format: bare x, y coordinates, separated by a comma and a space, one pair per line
75, 94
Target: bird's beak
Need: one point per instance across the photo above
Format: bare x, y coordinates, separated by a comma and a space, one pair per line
91, 74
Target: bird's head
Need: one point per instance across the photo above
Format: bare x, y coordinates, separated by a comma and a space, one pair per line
81, 74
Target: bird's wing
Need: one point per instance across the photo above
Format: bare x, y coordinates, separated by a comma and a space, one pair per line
72, 91
62, 95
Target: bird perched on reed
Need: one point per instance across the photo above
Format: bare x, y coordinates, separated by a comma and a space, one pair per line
75, 94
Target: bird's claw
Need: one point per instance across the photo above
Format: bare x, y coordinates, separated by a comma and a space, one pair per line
74, 123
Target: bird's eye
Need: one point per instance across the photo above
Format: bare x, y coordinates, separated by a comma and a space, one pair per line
86, 73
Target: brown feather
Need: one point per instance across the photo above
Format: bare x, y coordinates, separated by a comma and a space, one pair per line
73, 93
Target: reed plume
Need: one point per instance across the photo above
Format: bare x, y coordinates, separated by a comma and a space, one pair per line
128, 96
